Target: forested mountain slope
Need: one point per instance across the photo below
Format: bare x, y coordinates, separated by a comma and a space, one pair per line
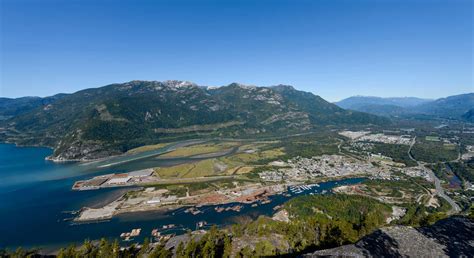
99, 122
453, 107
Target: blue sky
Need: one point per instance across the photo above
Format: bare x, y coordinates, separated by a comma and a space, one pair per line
333, 48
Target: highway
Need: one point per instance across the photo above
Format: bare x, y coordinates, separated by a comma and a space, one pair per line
438, 188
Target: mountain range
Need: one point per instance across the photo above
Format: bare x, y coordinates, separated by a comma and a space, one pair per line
13, 107
99, 122
458, 107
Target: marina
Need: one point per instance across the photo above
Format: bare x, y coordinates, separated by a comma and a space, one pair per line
128, 236
49, 194
298, 189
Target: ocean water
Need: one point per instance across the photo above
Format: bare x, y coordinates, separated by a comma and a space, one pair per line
36, 195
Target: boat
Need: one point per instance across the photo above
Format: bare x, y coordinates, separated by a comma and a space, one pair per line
236, 208
166, 237
127, 235
169, 226
219, 209
193, 210
201, 224
155, 233
135, 232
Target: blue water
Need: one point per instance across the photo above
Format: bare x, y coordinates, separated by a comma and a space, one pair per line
34, 194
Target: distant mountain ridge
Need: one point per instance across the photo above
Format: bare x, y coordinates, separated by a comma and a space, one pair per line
453, 107
469, 115
10, 107
99, 122
358, 101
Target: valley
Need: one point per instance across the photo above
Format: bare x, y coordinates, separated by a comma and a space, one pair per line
273, 170
256, 171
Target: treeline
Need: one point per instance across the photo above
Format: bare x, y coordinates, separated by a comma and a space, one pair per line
420, 215
354, 215
464, 170
433, 152
398, 152
101, 249
309, 145
316, 222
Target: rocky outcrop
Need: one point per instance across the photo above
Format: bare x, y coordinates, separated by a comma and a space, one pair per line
452, 237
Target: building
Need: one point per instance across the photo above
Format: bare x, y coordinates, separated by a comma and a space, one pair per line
154, 200
141, 173
119, 180
407, 130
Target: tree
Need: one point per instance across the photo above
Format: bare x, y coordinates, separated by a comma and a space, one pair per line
209, 249
88, 250
145, 247
160, 252
191, 248
20, 252
70, 251
180, 250
105, 248
62, 253
264, 248
227, 247
245, 252
116, 248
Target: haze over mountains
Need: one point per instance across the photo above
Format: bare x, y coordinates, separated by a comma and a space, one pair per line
458, 107
10, 107
100, 122
109, 120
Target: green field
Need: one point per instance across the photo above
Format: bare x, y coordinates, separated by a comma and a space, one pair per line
398, 152
432, 152
198, 169
147, 148
200, 149
242, 162
432, 138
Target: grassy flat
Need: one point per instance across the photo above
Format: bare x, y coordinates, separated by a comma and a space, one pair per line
199, 169
147, 148
245, 158
200, 149
239, 163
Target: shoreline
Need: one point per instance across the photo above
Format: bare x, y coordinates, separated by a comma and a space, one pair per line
170, 147
261, 194
113, 209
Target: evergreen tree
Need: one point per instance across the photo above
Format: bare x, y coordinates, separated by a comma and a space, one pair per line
145, 247
105, 249
116, 248
227, 247
180, 250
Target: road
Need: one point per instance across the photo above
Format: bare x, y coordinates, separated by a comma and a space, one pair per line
440, 192
438, 188
409, 149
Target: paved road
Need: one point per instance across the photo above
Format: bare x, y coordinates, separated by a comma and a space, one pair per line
438, 188
440, 192
409, 149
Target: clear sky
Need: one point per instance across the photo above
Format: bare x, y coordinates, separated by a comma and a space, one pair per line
333, 48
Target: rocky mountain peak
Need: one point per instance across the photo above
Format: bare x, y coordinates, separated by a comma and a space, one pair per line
179, 84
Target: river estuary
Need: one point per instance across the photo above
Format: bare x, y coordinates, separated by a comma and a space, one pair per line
36, 197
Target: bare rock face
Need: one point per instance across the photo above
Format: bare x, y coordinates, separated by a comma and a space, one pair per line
451, 237
83, 151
